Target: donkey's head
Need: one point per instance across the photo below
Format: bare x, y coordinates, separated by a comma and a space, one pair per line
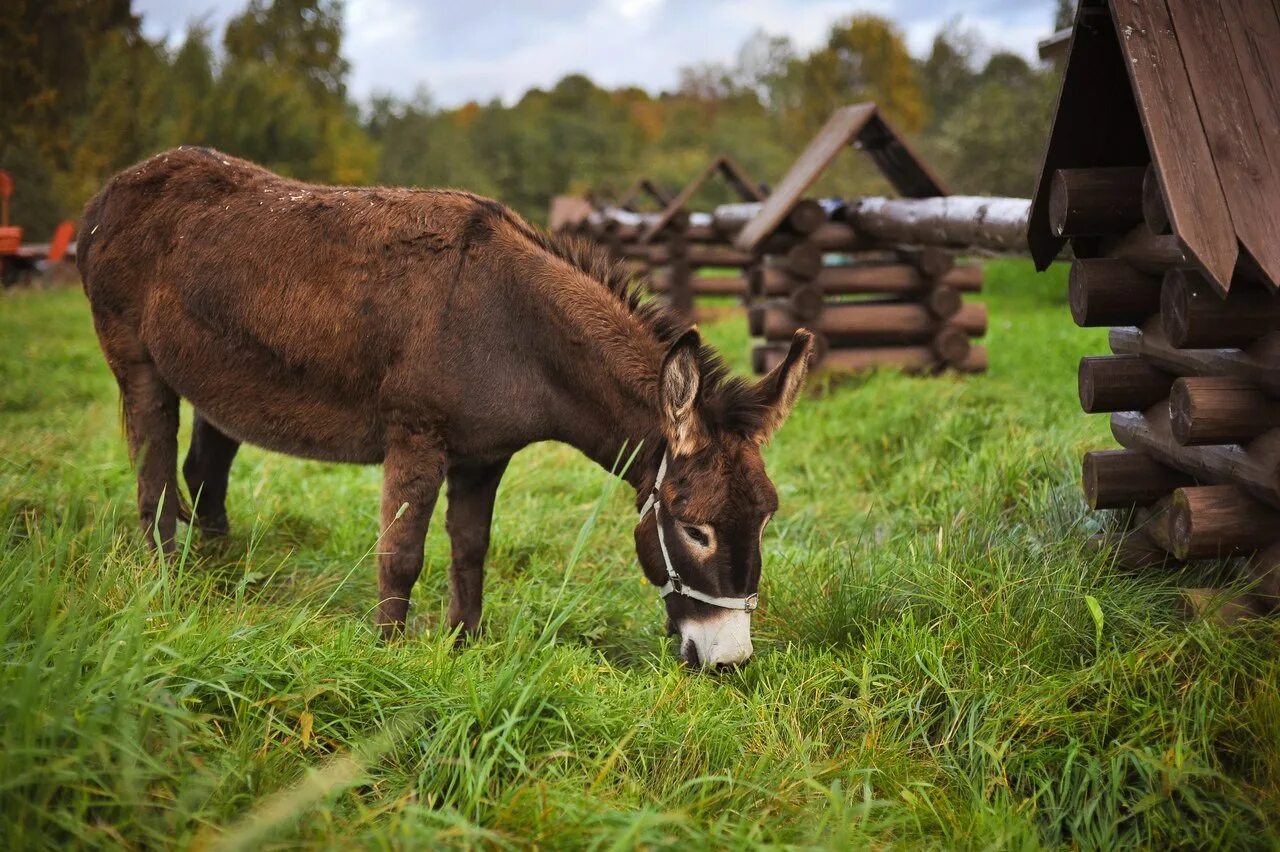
701, 525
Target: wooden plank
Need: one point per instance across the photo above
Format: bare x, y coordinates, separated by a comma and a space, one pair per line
887, 148
1193, 195
642, 187
732, 172
837, 133
1255, 34
1095, 122
897, 160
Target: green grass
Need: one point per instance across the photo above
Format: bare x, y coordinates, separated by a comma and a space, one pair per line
939, 662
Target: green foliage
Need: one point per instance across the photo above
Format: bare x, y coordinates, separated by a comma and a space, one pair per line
941, 663
274, 91
102, 97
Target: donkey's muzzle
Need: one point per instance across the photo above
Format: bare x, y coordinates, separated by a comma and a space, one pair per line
722, 639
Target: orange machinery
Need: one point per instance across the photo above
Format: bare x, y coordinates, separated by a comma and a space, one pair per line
10, 235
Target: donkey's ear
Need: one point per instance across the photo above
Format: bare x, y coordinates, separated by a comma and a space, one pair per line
779, 389
678, 385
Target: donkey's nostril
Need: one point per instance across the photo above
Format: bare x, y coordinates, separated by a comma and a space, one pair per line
689, 651
732, 667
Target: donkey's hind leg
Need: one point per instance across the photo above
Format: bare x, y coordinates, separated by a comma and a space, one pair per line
206, 470
151, 420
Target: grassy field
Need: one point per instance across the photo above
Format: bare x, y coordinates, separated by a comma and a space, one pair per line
939, 660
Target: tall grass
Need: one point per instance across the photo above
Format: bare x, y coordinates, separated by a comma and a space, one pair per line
939, 660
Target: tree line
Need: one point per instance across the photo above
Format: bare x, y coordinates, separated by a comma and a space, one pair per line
86, 93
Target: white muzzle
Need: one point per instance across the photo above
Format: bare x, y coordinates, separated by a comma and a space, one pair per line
723, 638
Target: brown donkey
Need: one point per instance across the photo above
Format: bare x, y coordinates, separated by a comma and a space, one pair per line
434, 332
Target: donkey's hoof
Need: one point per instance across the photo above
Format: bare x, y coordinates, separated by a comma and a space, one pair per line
214, 527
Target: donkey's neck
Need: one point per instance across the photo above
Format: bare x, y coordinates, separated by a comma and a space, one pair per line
609, 416
603, 370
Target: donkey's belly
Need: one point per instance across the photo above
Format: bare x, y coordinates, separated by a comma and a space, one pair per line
254, 395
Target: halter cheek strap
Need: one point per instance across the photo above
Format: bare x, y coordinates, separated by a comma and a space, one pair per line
674, 585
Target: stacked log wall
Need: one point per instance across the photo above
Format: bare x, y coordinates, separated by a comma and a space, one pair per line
1191, 386
868, 303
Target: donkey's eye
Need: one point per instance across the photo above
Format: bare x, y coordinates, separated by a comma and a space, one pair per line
698, 536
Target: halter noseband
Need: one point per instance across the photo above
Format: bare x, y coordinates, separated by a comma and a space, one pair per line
674, 584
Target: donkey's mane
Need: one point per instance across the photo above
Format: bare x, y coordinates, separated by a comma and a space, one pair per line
729, 403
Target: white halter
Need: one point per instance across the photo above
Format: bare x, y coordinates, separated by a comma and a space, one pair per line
674, 584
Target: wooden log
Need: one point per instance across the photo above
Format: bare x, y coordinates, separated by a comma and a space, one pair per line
836, 236
1216, 607
931, 262
866, 322
888, 278
1259, 364
943, 302
1220, 410
1196, 317
1095, 201
807, 303
705, 285
1105, 292
702, 234
1212, 521
1154, 521
974, 362
1120, 383
1132, 549
1264, 570
972, 318
1153, 210
956, 221
713, 255
1146, 252
1122, 479
804, 218
1255, 467
804, 260
966, 279
911, 359
951, 345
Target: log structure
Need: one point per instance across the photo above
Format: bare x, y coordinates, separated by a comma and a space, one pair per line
685, 244
868, 276
1161, 175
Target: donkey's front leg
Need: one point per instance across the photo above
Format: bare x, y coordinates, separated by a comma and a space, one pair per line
412, 471
472, 487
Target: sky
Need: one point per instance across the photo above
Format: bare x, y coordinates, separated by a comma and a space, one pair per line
462, 50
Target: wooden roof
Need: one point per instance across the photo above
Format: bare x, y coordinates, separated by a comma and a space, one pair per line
567, 211
859, 125
1193, 87
731, 171
641, 188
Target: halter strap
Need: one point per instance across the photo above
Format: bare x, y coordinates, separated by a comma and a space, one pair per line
674, 584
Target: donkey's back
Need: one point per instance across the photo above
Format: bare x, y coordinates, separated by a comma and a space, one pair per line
278, 308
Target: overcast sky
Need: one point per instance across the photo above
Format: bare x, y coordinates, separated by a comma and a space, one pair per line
463, 50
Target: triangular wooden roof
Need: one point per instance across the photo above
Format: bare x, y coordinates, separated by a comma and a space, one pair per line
1193, 87
731, 171
642, 187
859, 125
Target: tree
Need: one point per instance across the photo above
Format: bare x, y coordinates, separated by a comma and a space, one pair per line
301, 36
947, 76
865, 59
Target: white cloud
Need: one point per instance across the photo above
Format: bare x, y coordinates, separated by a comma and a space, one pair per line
480, 49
